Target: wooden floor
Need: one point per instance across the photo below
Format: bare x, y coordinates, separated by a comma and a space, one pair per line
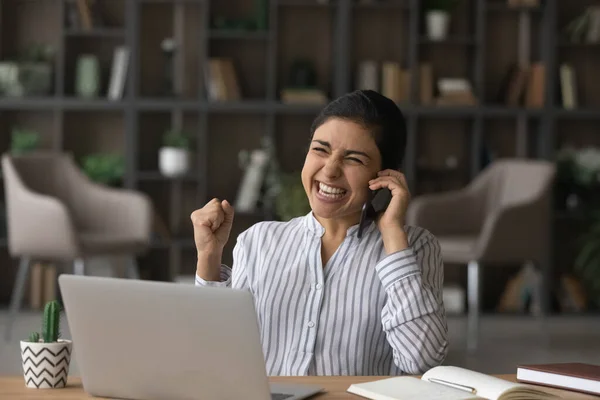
506, 341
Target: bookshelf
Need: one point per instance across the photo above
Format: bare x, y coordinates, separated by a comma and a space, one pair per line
335, 36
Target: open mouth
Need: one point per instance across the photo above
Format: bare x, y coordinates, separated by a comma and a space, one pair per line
330, 192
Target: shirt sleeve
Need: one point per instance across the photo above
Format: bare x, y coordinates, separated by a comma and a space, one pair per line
234, 276
413, 315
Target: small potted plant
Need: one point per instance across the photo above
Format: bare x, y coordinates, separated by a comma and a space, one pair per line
174, 155
106, 169
23, 140
437, 18
46, 358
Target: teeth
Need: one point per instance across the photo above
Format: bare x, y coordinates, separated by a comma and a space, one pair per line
330, 190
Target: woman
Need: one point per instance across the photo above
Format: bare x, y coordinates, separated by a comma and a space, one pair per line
329, 303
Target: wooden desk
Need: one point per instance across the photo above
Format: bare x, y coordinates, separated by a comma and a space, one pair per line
335, 388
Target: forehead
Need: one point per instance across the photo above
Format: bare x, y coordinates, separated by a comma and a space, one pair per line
345, 134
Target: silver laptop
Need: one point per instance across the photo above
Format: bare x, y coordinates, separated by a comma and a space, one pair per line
157, 340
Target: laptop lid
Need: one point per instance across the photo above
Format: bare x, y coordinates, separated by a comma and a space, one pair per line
157, 340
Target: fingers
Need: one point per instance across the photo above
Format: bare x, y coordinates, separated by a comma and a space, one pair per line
228, 211
213, 214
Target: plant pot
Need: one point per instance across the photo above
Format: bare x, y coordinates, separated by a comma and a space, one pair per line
174, 161
437, 24
46, 365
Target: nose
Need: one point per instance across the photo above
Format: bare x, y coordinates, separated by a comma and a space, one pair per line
332, 168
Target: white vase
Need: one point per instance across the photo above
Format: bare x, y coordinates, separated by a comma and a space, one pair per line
437, 24
174, 161
46, 365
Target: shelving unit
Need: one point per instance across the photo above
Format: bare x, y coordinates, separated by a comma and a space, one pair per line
335, 36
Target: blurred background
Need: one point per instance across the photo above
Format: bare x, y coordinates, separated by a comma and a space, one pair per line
184, 101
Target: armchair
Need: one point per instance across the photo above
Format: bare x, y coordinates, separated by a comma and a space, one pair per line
501, 217
54, 212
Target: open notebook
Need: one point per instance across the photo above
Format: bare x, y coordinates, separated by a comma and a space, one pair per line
448, 383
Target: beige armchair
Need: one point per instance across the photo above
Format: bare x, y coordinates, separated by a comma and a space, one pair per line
55, 213
502, 217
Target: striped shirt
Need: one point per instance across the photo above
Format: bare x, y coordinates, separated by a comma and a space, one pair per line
363, 313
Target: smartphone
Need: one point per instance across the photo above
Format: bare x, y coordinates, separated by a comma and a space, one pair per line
377, 203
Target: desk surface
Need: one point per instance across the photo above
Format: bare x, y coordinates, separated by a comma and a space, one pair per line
335, 388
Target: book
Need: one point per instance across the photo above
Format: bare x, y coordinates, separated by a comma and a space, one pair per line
580, 377
118, 73
448, 383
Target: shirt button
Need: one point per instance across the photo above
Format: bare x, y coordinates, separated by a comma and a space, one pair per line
311, 324
319, 286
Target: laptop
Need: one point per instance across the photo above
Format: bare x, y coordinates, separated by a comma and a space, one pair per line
149, 340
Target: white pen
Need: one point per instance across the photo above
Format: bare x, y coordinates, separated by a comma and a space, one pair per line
454, 385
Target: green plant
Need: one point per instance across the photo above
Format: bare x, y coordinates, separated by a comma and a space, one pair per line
441, 5
291, 200
23, 140
107, 169
177, 139
50, 324
34, 337
587, 262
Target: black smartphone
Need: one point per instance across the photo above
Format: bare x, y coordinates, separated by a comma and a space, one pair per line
376, 204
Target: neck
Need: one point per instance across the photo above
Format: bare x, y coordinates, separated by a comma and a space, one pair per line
337, 228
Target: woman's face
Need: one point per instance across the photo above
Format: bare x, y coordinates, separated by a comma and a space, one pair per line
341, 160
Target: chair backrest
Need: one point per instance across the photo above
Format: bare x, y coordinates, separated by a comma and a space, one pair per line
516, 181
40, 172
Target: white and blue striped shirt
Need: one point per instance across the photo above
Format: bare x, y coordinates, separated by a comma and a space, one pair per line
363, 313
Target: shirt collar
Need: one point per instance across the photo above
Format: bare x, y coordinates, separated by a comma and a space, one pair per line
315, 227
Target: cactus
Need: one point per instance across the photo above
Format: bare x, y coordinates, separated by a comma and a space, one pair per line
34, 337
51, 322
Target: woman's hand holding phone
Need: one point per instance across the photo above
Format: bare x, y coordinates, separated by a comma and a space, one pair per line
212, 227
391, 222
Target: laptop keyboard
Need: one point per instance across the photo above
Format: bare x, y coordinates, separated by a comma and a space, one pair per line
280, 396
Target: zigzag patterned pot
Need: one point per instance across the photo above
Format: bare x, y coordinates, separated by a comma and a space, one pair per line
46, 365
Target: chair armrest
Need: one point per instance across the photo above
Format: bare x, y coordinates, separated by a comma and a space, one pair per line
39, 226
447, 213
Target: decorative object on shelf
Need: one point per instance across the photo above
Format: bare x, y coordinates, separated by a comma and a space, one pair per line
578, 179
174, 155
87, 80
46, 358
291, 201
367, 76
395, 82
30, 74
568, 86
302, 84
587, 262
222, 81
107, 169
118, 73
437, 16
168, 47
585, 27
254, 164
455, 92
23, 140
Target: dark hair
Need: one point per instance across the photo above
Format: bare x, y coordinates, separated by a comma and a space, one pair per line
378, 114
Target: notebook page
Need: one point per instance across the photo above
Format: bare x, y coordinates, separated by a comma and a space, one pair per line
487, 386
407, 388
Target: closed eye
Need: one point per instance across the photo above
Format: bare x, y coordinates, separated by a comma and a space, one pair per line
319, 149
355, 159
